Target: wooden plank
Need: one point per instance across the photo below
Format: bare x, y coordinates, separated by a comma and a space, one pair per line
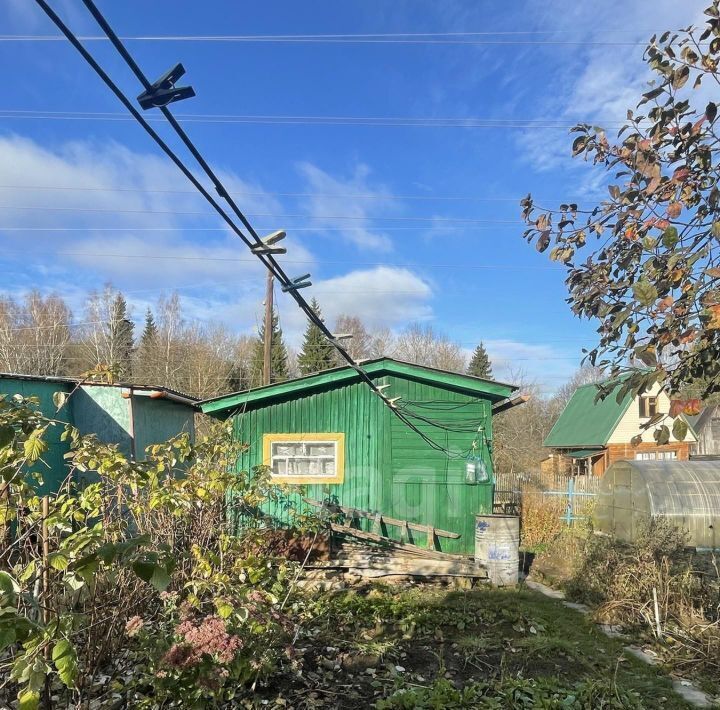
355, 513
393, 544
431, 538
371, 566
406, 532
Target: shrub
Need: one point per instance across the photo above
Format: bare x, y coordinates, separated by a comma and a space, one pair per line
540, 518
83, 569
621, 579
205, 652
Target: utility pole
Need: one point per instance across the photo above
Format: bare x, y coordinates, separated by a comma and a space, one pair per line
267, 344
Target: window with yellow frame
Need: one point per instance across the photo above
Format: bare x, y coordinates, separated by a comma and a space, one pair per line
305, 458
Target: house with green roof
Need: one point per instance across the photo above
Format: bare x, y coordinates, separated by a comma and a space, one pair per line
592, 433
422, 463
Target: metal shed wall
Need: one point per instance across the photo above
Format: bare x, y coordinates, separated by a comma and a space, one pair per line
388, 468
685, 492
53, 468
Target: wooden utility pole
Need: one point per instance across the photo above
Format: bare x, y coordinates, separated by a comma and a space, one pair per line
267, 343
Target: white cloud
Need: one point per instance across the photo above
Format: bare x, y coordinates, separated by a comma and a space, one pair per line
597, 82
334, 198
538, 363
155, 247
112, 203
381, 297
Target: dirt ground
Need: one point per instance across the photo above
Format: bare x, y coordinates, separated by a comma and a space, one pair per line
362, 647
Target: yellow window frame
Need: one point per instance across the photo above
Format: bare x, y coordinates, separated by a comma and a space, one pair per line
338, 438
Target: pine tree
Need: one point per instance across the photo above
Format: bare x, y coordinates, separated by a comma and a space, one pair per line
278, 355
121, 336
145, 362
480, 365
316, 354
150, 331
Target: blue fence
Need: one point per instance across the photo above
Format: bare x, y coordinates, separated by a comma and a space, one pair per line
572, 495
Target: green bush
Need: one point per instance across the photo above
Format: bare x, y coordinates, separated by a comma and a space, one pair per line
84, 568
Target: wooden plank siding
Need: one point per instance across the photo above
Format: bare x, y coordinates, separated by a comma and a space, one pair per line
388, 467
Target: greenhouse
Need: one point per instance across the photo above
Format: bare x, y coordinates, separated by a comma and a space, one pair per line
687, 493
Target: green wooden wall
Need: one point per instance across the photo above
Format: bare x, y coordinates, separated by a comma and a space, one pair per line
103, 411
52, 468
388, 467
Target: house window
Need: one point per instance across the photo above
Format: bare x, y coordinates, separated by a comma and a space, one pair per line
305, 458
656, 456
648, 407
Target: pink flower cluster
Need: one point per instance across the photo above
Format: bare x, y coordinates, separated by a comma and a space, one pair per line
207, 638
133, 625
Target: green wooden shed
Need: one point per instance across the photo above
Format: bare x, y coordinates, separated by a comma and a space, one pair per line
332, 435
129, 415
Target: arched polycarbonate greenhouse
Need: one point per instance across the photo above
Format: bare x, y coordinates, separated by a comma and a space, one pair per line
687, 493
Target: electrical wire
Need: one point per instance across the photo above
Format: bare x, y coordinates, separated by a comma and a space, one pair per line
324, 262
468, 38
268, 260
332, 195
285, 120
319, 229
113, 210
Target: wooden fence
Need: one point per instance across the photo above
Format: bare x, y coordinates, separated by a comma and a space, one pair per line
516, 481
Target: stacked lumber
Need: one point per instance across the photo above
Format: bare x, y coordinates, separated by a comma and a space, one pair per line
364, 554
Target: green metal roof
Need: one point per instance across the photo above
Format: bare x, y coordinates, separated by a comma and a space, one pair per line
260, 396
583, 453
586, 422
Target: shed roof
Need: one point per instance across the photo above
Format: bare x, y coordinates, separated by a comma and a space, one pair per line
586, 422
152, 391
260, 396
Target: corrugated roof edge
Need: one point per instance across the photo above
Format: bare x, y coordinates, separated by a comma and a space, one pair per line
500, 390
79, 380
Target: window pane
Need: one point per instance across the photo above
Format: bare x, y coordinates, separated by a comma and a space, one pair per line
303, 458
320, 449
286, 449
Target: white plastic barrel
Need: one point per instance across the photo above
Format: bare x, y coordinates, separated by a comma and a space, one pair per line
497, 539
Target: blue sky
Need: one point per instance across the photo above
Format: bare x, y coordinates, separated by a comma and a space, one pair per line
396, 223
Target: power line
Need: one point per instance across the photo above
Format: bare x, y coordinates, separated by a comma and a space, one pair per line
469, 38
79, 324
415, 265
381, 121
292, 287
113, 210
336, 195
315, 230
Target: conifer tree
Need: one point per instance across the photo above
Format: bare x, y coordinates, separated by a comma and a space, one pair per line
480, 365
145, 362
150, 331
278, 355
120, 336
316, 354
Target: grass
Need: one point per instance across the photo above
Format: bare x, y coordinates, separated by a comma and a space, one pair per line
430, 647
